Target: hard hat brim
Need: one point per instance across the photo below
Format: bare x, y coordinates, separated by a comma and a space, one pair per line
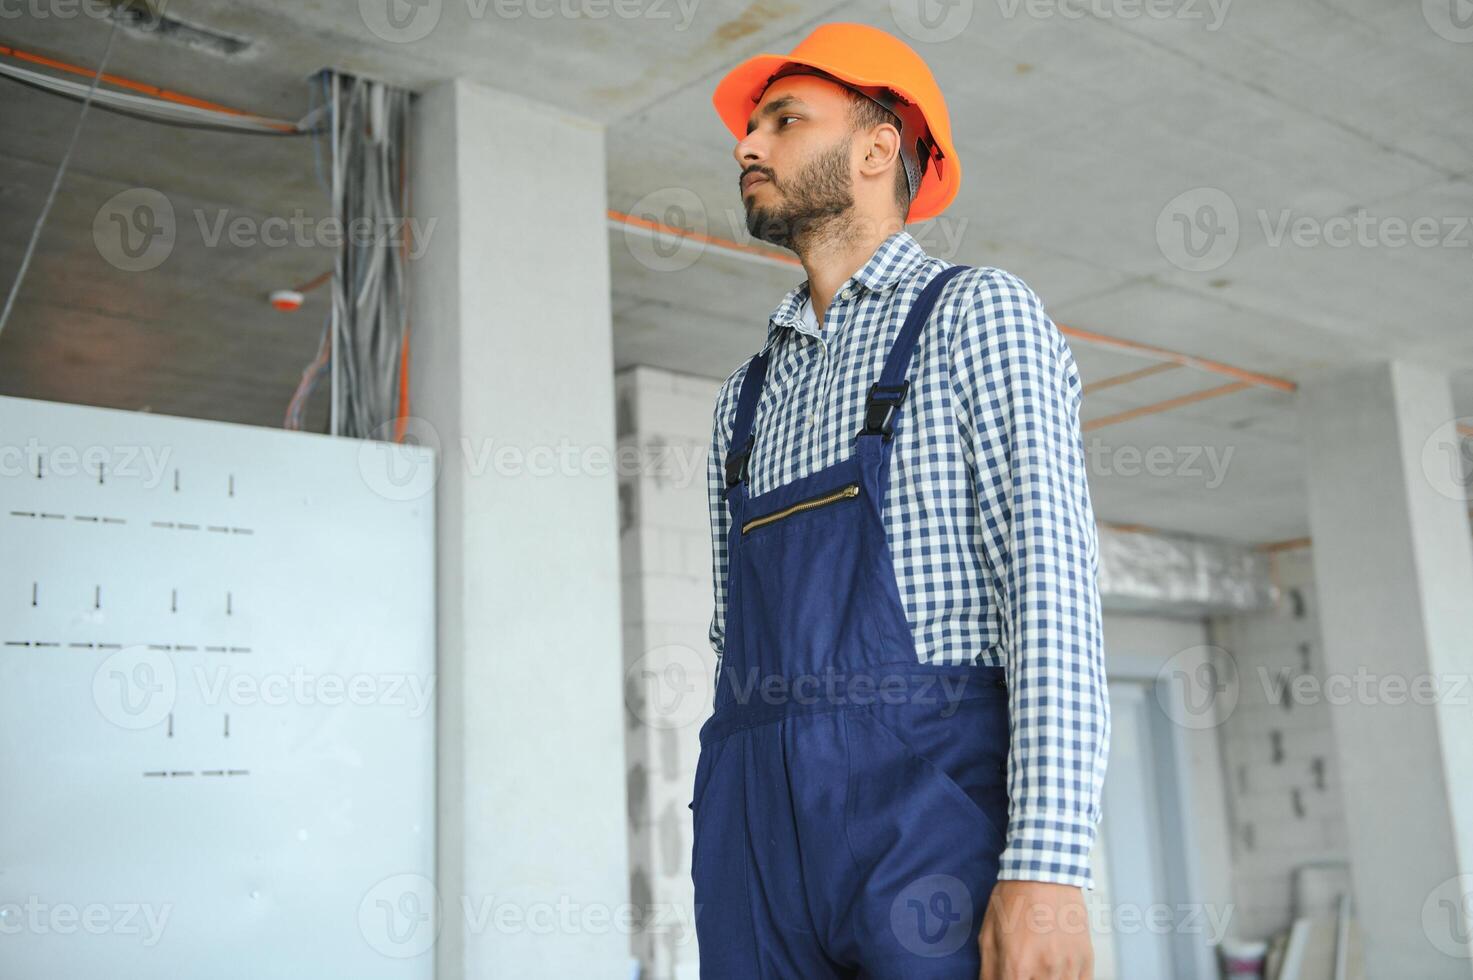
738, 92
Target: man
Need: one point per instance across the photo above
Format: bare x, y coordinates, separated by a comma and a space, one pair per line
902, 774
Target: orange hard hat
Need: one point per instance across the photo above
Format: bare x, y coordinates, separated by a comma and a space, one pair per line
880, 66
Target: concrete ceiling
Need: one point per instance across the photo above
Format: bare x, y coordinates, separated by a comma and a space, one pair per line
1083, 137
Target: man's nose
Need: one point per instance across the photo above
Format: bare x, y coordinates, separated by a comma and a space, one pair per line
748, 151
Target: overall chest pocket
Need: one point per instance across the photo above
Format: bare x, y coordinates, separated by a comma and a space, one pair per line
828, 498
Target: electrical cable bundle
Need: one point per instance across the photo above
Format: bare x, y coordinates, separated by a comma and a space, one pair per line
365, 343
370, 316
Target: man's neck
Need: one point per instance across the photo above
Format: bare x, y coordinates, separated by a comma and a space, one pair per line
832, 254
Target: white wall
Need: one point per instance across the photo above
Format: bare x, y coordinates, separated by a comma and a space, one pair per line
217, 700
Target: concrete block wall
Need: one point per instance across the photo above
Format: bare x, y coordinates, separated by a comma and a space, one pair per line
664, 432
1283, 784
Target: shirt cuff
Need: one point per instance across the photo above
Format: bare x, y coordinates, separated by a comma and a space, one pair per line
1049, 845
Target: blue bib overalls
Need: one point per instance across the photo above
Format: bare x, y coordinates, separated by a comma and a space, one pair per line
850, 803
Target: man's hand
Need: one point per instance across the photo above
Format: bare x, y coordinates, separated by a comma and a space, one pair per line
1036, 930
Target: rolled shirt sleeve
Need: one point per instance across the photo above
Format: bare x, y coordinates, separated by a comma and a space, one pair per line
1018, 395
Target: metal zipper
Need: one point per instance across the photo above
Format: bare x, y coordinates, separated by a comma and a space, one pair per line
851, 490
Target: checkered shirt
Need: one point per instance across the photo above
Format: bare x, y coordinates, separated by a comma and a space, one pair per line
987, 513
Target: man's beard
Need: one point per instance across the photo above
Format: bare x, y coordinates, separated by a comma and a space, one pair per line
813, 201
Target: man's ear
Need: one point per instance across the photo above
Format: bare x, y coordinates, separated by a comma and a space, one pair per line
882, 147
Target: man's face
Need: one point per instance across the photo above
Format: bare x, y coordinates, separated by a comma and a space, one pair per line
796, 170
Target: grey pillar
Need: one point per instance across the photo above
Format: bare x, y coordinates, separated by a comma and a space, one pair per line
1394, 570
512, 374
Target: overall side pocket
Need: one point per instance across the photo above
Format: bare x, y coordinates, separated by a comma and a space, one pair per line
974, 774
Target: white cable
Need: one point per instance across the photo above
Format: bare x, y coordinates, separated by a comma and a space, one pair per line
333, 422
146, 105
25, 262
368, 290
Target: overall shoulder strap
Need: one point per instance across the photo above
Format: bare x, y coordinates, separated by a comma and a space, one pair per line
740, 449
888, 394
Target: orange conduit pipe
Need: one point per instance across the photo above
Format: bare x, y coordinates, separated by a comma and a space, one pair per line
1186, 360
166, 95
1130, 376
1170, 403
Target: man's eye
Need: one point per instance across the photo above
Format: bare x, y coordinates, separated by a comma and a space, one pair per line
781, 118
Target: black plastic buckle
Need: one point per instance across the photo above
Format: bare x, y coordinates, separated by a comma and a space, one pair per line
879, 410
736, 465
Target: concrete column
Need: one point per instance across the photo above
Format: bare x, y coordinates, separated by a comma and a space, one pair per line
512, 374
1394, 568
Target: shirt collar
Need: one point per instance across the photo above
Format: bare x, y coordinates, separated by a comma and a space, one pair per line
895, 259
